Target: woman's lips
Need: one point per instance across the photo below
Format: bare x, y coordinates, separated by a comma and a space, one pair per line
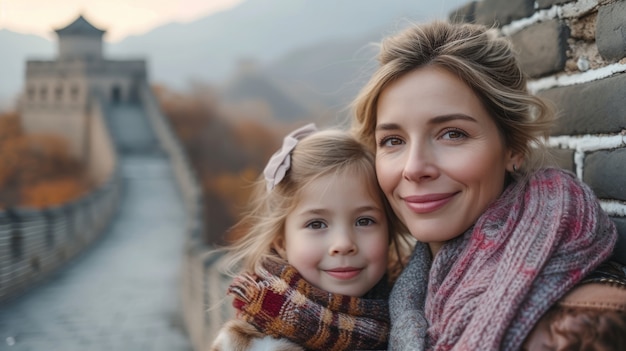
427, 203
344, 273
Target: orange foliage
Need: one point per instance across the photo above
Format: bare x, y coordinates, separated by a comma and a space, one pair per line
36, 170
226, 151
52, 192
232, 187
9, 126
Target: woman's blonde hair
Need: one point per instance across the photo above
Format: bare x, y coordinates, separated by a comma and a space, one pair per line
484, 61
319, 154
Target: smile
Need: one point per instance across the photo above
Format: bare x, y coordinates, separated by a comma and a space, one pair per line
428, 203
344, 273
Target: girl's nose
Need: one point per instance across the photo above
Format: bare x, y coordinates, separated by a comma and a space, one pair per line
343, 244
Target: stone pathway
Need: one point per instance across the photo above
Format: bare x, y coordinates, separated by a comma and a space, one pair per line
122, 293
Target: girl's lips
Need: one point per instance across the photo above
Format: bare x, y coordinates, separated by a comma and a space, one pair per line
428, 203
344, 273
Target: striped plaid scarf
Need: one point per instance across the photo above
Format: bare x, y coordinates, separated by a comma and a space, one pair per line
280, 303
486, 289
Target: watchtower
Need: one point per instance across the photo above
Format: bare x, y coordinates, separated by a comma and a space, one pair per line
58, 93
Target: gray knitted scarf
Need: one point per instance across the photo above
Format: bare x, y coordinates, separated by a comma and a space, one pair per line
486, 289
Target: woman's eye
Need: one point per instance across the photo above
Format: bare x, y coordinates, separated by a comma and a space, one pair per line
361, 222
390, 141
454, 134
316, 225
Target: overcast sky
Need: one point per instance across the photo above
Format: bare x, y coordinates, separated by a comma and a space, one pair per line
119, 18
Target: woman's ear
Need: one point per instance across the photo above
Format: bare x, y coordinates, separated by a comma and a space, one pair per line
279, 246
515, 160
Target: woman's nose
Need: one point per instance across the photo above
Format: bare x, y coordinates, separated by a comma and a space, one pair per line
343, 244
419, 163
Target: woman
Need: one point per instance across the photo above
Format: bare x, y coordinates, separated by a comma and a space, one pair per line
457, 139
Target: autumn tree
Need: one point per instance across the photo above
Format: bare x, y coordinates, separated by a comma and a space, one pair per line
37, 170
227, 151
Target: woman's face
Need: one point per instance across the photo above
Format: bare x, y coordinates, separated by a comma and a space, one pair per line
440, 158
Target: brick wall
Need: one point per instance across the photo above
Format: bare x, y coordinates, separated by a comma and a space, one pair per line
575, 55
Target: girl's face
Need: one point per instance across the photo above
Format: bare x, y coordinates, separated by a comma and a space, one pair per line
337, 236
440, 159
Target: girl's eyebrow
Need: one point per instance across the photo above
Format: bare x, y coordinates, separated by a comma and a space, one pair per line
316, 211
323, 211
368, 208
434, 120
308, 211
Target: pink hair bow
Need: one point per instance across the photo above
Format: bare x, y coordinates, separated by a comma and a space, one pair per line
280, 161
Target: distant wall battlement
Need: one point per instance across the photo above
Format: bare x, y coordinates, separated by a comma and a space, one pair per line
575, 55
97, 67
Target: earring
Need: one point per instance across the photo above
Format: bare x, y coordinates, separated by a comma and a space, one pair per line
514, 168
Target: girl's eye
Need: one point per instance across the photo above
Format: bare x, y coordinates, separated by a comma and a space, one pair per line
390, 141
361, 222
454, 134
316, 225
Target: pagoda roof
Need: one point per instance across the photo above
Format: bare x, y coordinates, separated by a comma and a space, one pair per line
80, 26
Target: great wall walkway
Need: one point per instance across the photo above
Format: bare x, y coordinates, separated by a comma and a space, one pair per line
123, 293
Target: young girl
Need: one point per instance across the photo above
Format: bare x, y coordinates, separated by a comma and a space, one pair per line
318, 245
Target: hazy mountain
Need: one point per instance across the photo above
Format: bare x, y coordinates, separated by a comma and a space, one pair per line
251, 85
16, 49
309, 45
209, 48
329, 73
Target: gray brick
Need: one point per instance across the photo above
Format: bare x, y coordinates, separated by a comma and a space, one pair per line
611, 31
604, 171
619, 253
590, 108
541, 48
544, 4
563, 158
464, 14
499, 12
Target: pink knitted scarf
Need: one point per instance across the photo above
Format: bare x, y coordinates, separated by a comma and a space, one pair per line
488, 287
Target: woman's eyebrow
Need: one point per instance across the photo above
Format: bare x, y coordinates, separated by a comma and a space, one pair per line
387, 126
451, 117
434, 120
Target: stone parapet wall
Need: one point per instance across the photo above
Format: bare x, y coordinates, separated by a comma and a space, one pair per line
34, 243
203, 287
574, 52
